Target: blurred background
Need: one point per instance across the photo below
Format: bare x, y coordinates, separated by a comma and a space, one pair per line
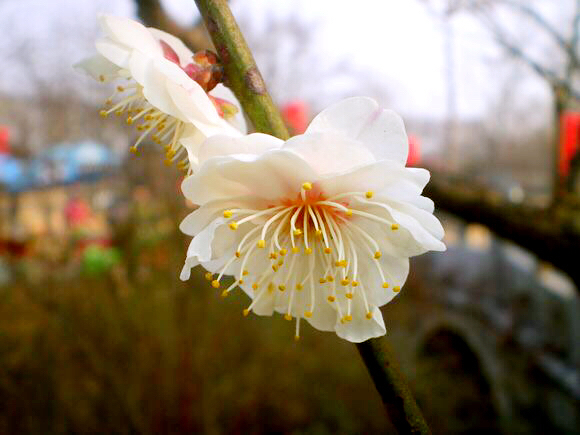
97, 334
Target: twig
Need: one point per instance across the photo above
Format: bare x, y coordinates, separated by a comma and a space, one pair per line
399, 403
242, 74
246, 82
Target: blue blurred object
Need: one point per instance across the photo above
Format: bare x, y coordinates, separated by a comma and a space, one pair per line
69, 163
13, 176
61, 164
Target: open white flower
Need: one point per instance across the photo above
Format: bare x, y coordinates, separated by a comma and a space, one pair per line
319, 227
172, 95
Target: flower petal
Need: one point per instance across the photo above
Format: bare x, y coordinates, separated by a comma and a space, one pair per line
130, 33
185, 54
238, 121
222, 145
361, 118
98, 67
329, 153
273, 175
360, 328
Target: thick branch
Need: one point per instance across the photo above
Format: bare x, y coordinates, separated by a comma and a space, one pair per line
242, 74
152, 14
397, 398
552, 234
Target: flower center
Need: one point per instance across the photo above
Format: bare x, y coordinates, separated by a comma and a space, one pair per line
310, 242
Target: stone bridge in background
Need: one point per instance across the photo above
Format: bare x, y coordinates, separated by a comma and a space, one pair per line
492, 338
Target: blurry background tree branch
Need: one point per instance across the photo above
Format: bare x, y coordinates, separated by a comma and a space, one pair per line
152, 14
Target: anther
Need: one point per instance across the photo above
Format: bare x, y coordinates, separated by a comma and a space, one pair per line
307, 313
349, 295
103, 113
331, 298
224, 294
295, 249
228, 214
307, 185
369, 315
349, 212
283, 251
299, 286
396, 289
348, 318
241, 281
287, 316
246, 312
120, 88
233, 225
327, 250
377, 255
238, 254
261, 243
245, 272
275, 267
308, 250
385, 285
394, 227
255, 286
273, 255
209, 276
354, 283
322, 280
345, 281
215, 283
297, 232
369, 194
281, 287
280, 262
296, 338
330, 278
129, 120
318, 233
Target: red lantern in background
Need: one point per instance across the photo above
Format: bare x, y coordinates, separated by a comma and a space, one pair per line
414, 156
569, 140
295, 115
4, 140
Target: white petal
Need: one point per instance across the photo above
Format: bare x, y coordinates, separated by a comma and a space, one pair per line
197, 220
185, 54
360, 118
193, 102
238, 121
114, 52
329, 153
130, 33
221, 145
377, 177
273, 175
360, 328
97, 66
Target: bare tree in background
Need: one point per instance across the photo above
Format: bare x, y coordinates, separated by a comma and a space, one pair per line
291, 62
558, 64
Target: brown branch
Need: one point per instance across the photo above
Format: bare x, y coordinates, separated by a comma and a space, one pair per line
552, 234
241, 72
152, 14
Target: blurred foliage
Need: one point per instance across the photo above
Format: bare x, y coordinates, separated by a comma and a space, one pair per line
100, 354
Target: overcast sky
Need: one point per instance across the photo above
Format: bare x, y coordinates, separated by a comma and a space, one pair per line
401, 41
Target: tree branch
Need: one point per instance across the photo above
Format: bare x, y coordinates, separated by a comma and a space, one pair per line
552, 234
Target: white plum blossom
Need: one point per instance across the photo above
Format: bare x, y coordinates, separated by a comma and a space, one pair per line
319, 227
172, 95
